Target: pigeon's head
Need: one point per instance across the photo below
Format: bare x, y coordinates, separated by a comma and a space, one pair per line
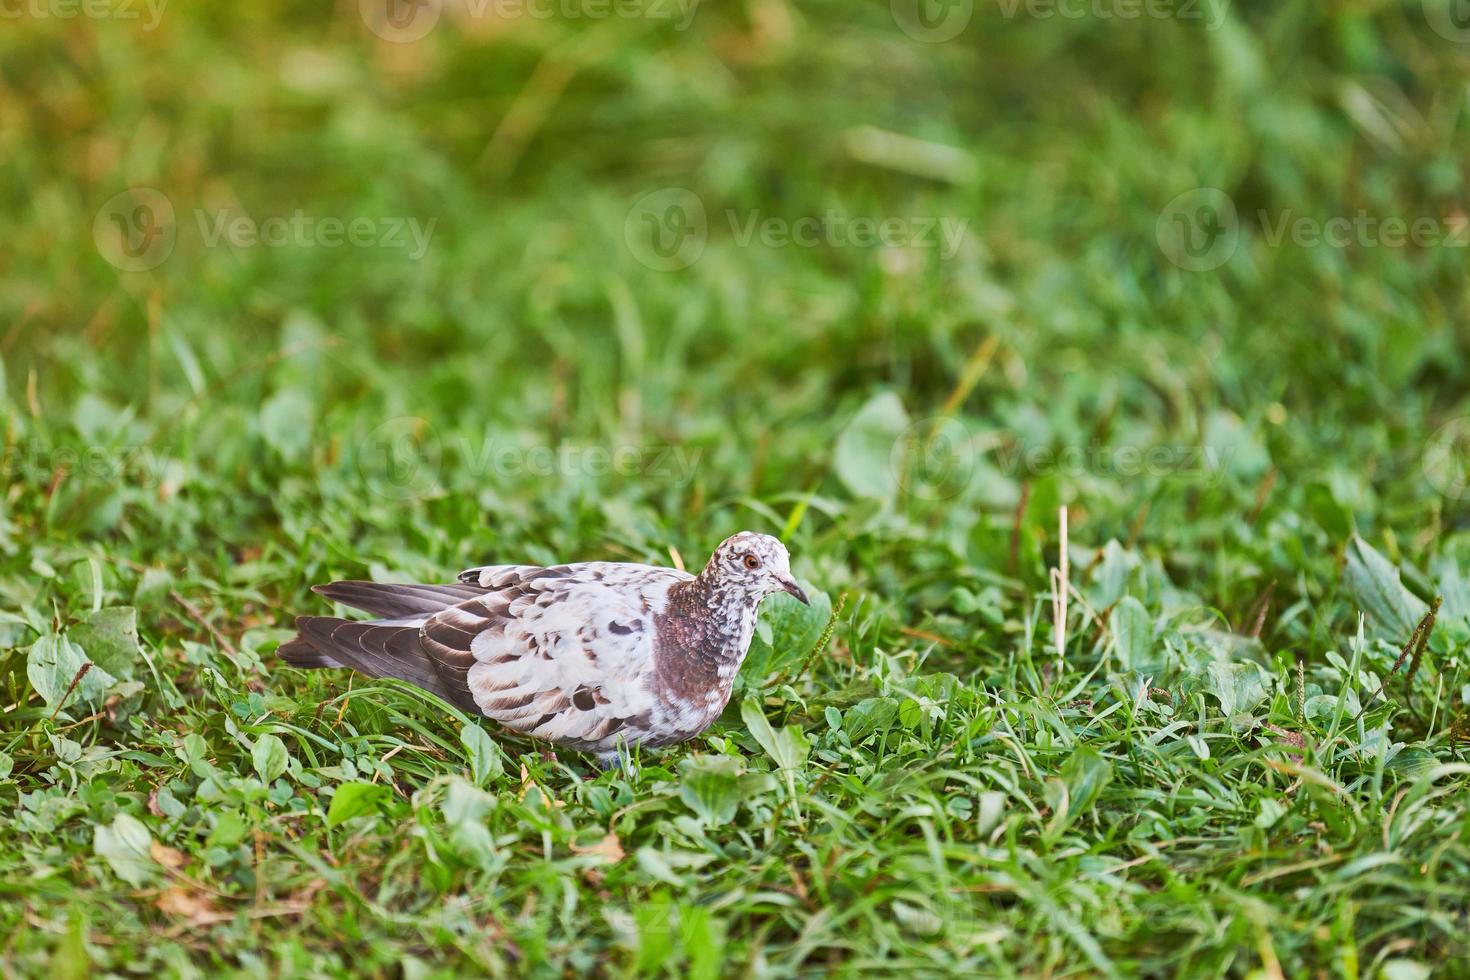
755, 564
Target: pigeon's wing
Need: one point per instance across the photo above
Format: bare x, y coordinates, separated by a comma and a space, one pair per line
497, 577
557, 653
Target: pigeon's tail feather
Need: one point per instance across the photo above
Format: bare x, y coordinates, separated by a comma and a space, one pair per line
299, 653
375, 649
392, 601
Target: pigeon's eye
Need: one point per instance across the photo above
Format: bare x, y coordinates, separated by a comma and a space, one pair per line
752, 562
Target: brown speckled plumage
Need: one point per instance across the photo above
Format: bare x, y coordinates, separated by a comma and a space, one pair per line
592, 655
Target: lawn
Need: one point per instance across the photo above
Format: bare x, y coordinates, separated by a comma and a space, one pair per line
297, 292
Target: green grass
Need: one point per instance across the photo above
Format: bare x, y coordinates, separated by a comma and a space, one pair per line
1234, 766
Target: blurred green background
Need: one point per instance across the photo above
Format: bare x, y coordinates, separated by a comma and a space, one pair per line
529, 290
521, 146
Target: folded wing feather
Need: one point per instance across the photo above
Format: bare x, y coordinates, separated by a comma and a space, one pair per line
559, 653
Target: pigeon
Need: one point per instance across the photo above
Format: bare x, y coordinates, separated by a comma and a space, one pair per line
596, 656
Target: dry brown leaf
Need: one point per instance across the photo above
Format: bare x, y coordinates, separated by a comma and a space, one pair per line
527, 782
609, 847
167, 856
190, 905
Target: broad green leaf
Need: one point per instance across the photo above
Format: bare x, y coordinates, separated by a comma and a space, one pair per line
1454, 585
109, 637
484, 755
655, 919
1111, 574
465, 811
354, 800
94, 417
125, 844
465, 803
1075, 790
1373, 583
1406, 969
790, 631
1330, 514
1086, 774
230, 828
1231, 445
1271, 811
788, 748
7, 765
192, 748
70, 960
710, 786
286, 421
1132, 633
703, 938
1239, 686
992, 810
270, 758
760, 728
864, 455
53, 662
867, 717
910, 713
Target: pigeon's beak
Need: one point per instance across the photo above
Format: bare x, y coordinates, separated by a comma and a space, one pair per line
789, 584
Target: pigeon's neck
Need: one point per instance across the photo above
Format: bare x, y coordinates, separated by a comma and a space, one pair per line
704, 634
